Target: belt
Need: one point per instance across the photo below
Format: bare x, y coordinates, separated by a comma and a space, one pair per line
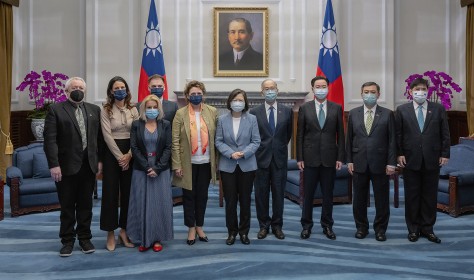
151, 154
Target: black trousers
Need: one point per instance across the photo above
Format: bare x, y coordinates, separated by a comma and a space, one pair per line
313, 176
195, 200
115, 183
75, 196
237, 187
381, 188
266, 179
421, 191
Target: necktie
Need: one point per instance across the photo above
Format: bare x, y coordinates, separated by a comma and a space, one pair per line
271, 120
322, 116
421, 119
369, 121
237, 60
82, 127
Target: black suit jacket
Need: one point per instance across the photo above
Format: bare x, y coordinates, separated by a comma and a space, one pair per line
275, 145
374, 150
62, 137
428, 146
318, 146
251, 60
163, 146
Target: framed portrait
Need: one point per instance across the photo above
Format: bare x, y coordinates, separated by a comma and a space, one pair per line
240, 42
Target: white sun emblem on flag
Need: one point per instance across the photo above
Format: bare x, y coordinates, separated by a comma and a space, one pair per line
329, 39
153, 40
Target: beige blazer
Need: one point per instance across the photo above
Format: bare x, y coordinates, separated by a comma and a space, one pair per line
181, 144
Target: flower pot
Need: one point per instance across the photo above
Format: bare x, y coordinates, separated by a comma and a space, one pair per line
37, 127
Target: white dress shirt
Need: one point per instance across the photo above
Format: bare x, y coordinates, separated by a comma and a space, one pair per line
267, 109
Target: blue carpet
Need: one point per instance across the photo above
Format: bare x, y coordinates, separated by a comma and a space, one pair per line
29, 250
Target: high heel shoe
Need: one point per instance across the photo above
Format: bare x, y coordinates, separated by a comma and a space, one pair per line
157, 247
125, 241
199, 231
142, 249
204, 239
191, 241
110, 246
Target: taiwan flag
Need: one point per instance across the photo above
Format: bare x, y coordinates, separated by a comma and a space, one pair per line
329, 64
152, 59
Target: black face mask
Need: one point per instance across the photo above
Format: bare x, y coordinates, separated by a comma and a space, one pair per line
77, 95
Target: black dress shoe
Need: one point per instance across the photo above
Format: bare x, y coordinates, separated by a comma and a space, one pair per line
262, 233
191, 242
380, 236
305, 233
413, 236
278, 233
431, 237
361, 234
230, 240
329, 233
203, 239
244, 239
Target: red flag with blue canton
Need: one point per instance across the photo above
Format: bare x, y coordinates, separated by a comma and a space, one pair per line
329, 64
152, 59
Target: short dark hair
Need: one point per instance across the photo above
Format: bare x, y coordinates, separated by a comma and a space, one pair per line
156, 76
248, 26
233, 94
419, 81
368, 84
319, 78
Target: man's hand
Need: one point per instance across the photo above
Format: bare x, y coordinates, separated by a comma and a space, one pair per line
99, 168
401, 161
56, 173
350, 168
301, 165
390, 170
338, 165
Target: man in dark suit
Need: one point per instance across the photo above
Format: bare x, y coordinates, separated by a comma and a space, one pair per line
371, 156
73, 146
319, 152
242, 56
423, 146
275, 127
156, 85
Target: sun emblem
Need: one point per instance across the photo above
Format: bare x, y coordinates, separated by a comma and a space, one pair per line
153, 40
329, 39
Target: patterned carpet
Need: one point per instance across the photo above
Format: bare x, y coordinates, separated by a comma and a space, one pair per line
29, 250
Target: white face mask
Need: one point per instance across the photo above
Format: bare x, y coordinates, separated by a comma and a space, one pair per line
419, 96
237, 106
320, 93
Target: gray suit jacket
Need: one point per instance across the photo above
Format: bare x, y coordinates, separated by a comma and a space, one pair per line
316, 145
374, 150
274, 145
247, 141
428, 146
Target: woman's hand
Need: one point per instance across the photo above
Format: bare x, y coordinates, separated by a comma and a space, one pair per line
178, 172
237, 155
151, 172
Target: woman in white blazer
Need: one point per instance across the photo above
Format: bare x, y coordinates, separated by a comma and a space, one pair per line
237, 140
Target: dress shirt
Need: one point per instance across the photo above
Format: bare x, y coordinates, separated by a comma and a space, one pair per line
373, 113
325, 108
267, 109
424, 106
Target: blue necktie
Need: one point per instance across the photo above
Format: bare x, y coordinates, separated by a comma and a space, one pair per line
322, 116
271, 120
421, 120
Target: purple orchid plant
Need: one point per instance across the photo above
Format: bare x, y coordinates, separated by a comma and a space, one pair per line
44, 89
440, 90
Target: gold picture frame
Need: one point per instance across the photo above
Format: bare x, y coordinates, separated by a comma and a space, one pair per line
238, 52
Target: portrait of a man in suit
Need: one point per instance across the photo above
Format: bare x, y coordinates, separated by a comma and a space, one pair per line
241, 42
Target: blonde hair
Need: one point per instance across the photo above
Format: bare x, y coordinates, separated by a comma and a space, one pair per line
150, 97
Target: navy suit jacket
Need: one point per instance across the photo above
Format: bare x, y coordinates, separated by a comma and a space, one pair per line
273, 145
163, 146
316, 145
251, 60
62, 137
417, 146
374, 150
247, 141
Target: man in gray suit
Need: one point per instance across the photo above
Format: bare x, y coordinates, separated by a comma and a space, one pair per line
319, 152
156, 85
275, 124
371, 156
423, 146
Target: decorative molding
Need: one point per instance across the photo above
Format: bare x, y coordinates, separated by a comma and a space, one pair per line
465, 3
15, 3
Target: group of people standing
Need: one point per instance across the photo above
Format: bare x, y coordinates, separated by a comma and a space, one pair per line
141, 150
